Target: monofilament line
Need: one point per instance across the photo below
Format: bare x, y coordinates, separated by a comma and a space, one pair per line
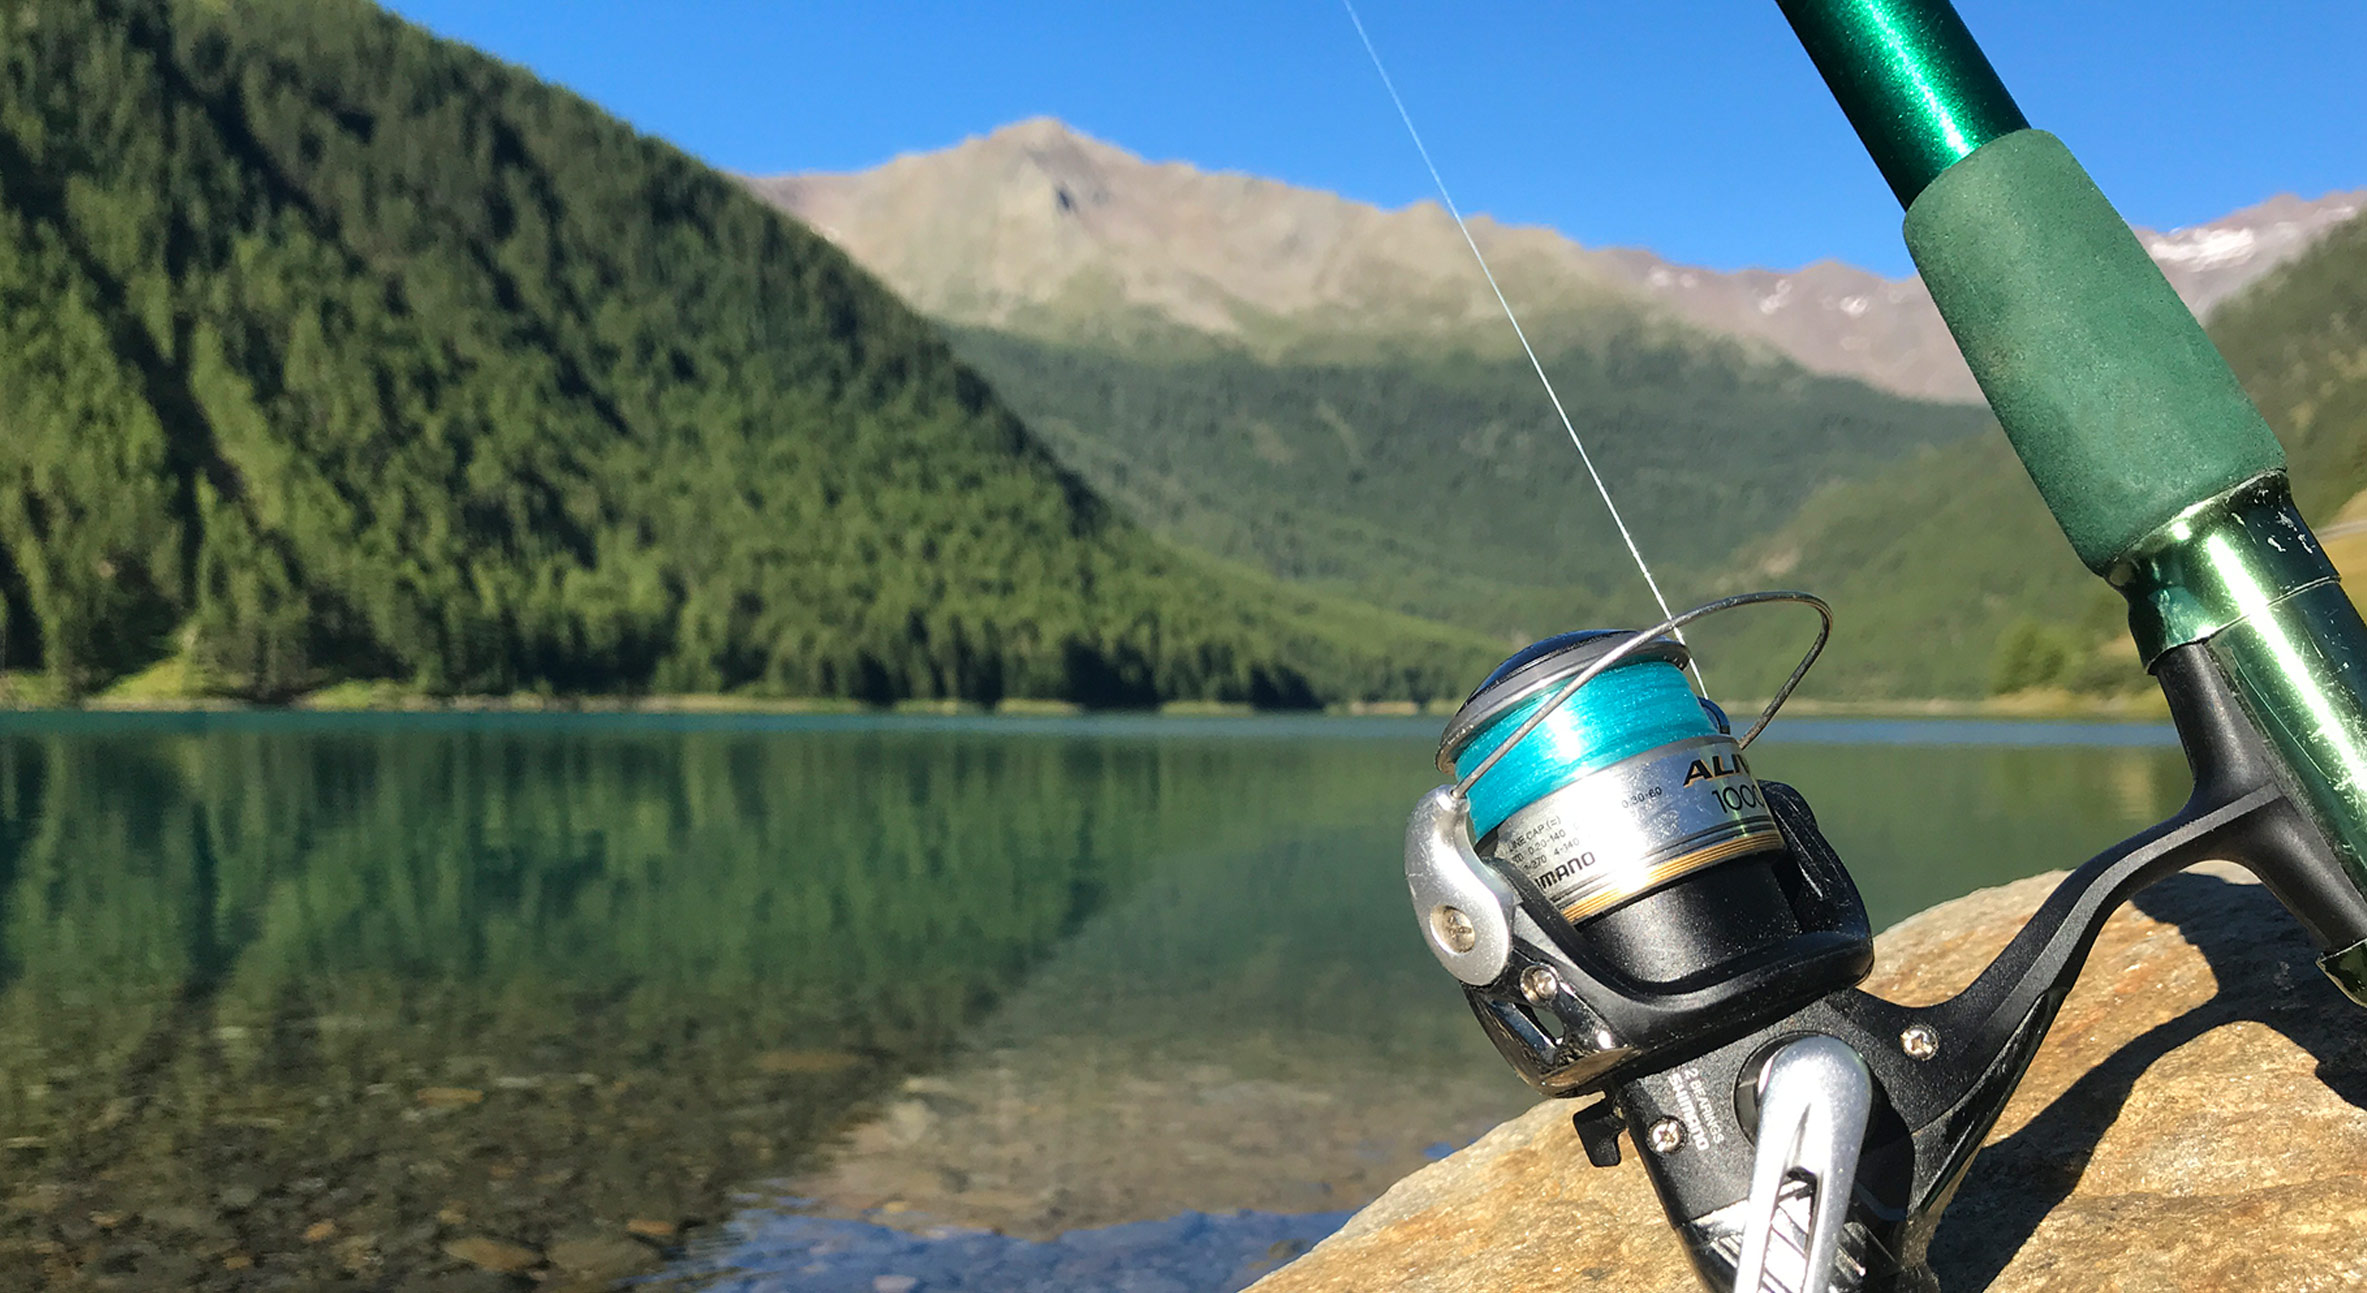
1439, 181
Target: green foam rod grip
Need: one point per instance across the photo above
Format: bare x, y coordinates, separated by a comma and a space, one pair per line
2119, 405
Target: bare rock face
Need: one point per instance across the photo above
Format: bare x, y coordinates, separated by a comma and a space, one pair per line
1040, 229
1043, 230
2197, 1120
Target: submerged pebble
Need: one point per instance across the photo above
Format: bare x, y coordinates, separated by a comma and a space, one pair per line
1192, 1252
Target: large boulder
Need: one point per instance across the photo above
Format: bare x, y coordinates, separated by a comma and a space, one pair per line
2193, 1122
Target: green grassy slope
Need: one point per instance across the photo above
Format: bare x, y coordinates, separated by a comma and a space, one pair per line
1443, 485
1930, 567
329, 349
2298, 338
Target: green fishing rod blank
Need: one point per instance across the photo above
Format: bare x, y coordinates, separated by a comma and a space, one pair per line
1912, 81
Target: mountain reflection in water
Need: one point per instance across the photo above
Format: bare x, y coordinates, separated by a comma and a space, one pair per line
517, 1001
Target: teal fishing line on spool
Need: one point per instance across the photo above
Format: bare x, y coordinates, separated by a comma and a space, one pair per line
1627, 710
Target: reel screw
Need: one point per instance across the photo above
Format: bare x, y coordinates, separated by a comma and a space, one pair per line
1665, 1136
1454, 929
1539, 985
1919, 1042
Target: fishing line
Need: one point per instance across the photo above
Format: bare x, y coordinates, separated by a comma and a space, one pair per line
1456, 212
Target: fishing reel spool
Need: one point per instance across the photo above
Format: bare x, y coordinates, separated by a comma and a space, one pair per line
1633, 913
1639, 896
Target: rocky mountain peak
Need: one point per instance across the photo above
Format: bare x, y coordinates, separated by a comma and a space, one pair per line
2212, 261
1075, 165
1041, 228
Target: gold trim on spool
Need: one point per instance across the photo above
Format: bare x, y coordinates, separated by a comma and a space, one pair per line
1660, 873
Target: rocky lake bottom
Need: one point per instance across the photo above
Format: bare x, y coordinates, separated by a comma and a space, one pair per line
494, 1002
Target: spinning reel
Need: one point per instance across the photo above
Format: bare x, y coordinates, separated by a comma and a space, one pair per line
1635, 915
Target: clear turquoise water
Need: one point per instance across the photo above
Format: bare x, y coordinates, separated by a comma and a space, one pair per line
430, 979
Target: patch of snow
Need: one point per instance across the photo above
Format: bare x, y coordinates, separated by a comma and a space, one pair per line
2205, 247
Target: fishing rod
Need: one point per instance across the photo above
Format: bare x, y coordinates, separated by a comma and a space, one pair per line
1634, 915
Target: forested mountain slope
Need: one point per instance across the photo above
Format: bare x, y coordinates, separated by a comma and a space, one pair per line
329, 349
1443, 484
2299, 340
1951, 578
1328, 390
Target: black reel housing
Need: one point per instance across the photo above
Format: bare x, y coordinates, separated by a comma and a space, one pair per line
1682, 969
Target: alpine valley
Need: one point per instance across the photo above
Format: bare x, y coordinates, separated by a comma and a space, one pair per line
1328, 390
341, 361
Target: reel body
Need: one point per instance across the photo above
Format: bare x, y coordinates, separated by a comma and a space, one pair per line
1645, 895
1634, 914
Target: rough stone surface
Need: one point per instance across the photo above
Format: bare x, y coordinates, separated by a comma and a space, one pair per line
494, 1254
2194, 1122
1042, 1140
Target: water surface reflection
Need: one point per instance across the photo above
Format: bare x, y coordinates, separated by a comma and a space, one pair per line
302, 1001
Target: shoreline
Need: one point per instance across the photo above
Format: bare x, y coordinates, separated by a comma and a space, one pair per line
360, 699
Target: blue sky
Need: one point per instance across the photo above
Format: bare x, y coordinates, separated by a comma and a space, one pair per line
1693, 127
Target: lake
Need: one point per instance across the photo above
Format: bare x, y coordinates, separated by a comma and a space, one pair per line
885, 1005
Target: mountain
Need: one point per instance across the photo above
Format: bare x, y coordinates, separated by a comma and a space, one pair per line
1835, 318
1319, 388
1326, 389
332, 350
2211, 262
1040, 230
1947, 578
1444, 485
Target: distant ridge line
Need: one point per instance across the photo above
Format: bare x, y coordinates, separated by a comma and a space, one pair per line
1039, 228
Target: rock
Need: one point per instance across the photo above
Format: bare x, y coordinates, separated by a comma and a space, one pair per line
194, 1221
815, 1062
600, 1255
450, 1097
909, 1122
468, 1281
2194, 1121
1142, 1236
494, 1254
